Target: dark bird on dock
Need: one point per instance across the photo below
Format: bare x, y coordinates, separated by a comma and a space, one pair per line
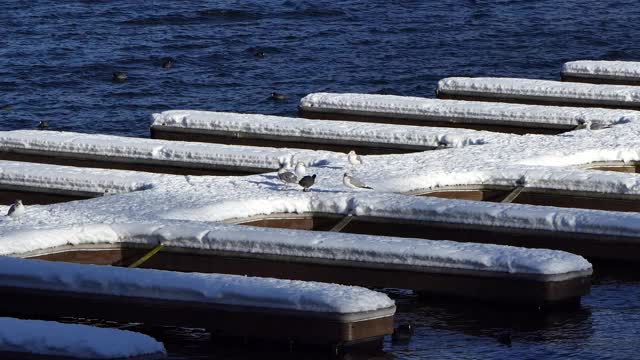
278, 97
167, 63
16, 209
119, 76
403, 332
43, 124
307, 182
6, 107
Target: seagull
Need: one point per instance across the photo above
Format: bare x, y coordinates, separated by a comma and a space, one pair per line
286, 176
300, 169
353, 183
354, 159
583, 125
307, 182
16, 209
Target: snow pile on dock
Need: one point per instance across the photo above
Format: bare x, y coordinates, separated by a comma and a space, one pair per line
152, 151
337, 248
305, 129
94, 182
461, 111
48, 338
603, 69
546, 89
203, 288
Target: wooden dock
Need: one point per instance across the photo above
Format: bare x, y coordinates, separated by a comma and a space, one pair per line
592, 246
542, 196
268, 140
539, 92
535, 290
143, 155
266, 322
484, 114
602, 72
35, 183
89, 160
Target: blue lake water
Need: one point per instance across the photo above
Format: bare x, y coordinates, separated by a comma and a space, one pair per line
57, 59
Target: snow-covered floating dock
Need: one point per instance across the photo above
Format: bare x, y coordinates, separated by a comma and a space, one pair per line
149, 155
46, 184
602, 72
511, 118
540, 92
306, 312
277, 131
48, 340
440, 268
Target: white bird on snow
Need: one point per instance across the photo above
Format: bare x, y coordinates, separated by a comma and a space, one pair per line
354, 159
16, 209
300, 169
351, 182
286, 176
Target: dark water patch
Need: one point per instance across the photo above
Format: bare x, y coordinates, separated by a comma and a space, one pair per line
230, 14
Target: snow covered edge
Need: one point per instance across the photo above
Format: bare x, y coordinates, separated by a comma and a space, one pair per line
51, 338
400, 253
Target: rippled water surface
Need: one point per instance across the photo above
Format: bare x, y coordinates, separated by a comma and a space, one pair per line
57, 59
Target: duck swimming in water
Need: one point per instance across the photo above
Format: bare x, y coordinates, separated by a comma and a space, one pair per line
119, 76
167, 63
278, 97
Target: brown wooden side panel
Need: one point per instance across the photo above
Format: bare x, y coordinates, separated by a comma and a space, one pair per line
599, 80
97, 257
532, 101
625, 169
496, 289
581, 202
90, 163
612, 249
8, 197
306, 223
435, 122
228, 320
475, 195
232, 140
